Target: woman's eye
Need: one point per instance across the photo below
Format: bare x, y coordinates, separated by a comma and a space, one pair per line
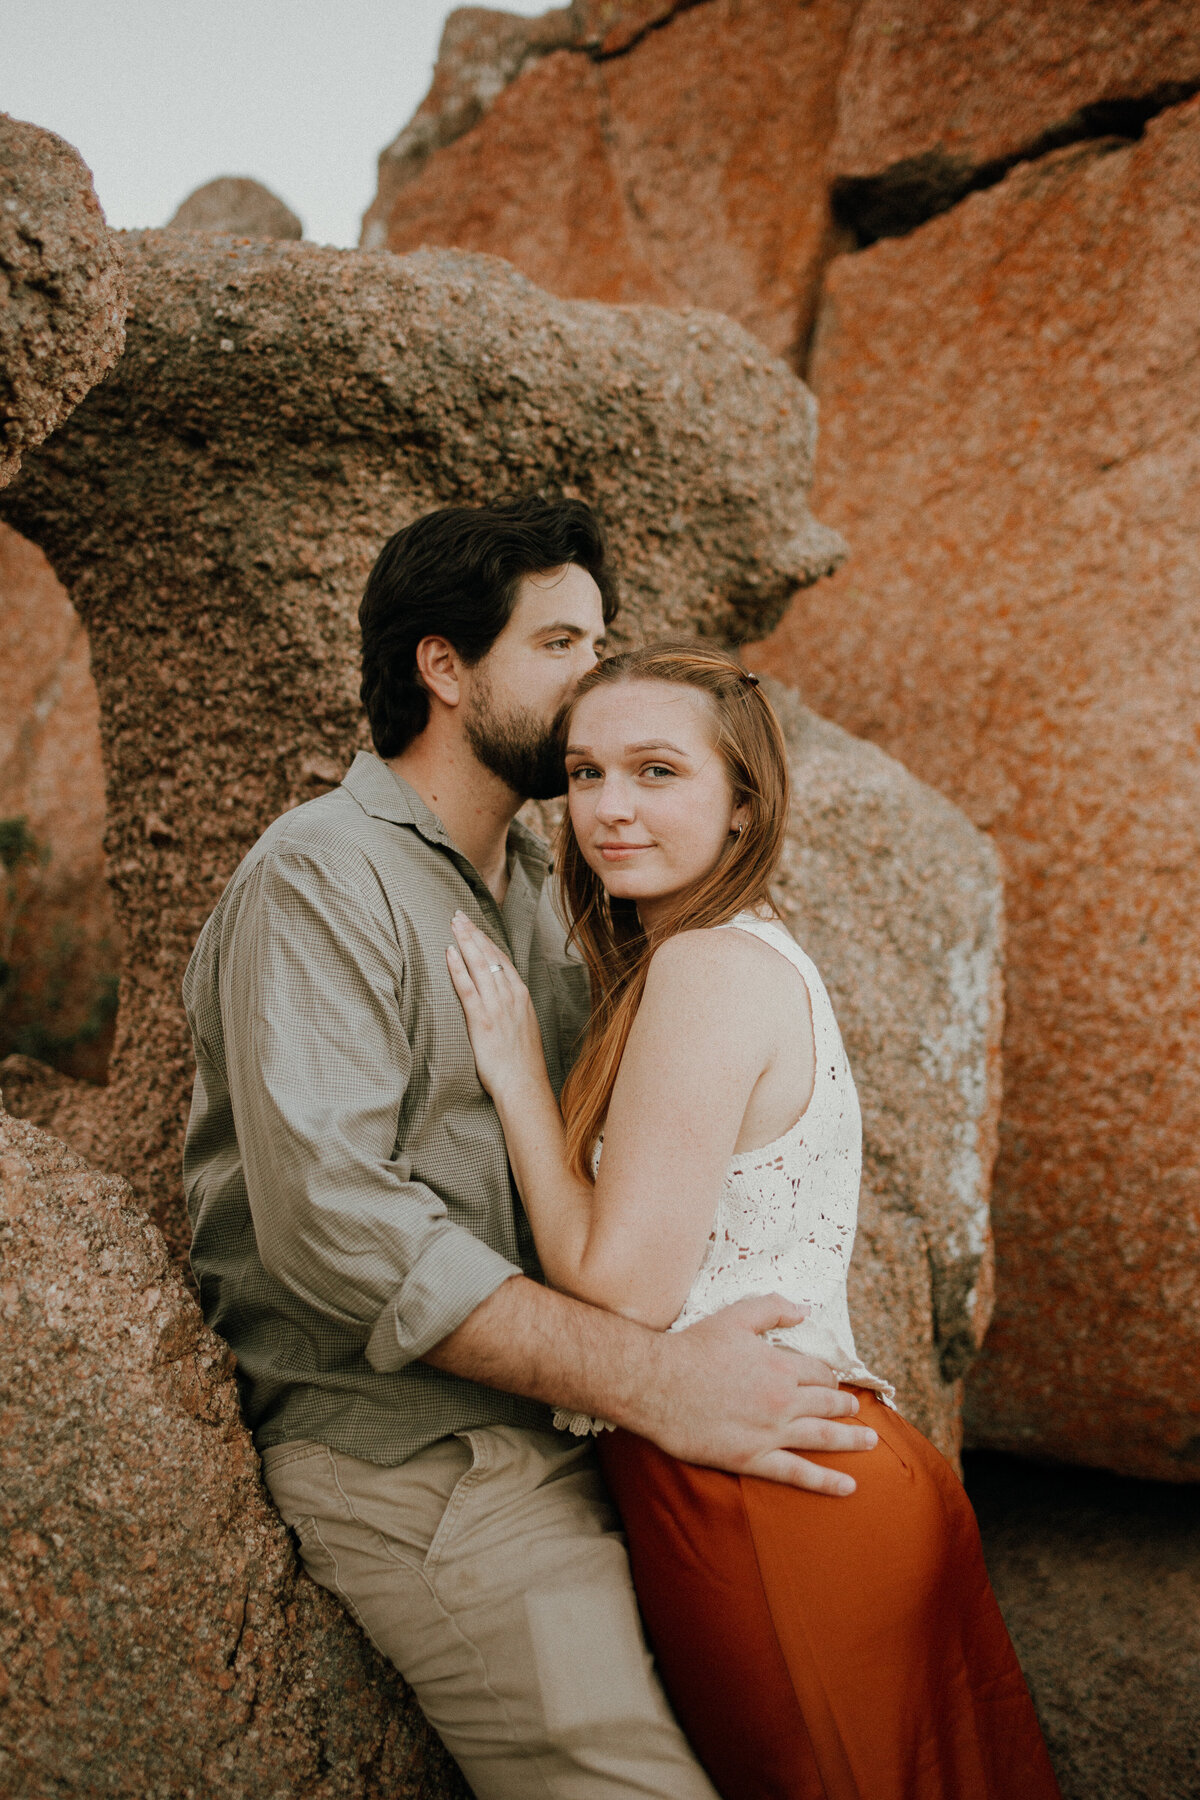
582, 772
657, 769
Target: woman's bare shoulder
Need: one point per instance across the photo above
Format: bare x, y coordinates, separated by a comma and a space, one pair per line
726, 963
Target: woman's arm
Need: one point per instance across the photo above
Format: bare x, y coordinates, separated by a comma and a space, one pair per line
507, 1043
707, 1028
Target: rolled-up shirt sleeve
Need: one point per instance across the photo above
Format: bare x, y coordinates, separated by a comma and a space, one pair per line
318, 1064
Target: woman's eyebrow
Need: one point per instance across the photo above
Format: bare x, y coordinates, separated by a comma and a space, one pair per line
630, 749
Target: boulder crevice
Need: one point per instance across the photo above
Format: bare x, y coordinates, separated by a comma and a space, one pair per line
900, 199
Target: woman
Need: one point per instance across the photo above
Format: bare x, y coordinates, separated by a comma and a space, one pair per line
842, 1645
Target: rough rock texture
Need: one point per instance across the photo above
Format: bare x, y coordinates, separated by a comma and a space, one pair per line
216, 506
481, 52
34, 1090
58, 957
1010, 407
62, 297
897, 899
936, 95
1099, 1582
239, 207
609, 27
156, 1636
671, 154
684, 151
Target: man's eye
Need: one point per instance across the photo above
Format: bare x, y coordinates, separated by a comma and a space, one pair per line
559, 644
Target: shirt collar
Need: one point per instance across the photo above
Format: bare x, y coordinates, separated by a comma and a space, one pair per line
384, 795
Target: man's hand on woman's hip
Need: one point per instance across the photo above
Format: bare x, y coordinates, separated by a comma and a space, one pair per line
717, 1394
729, 1399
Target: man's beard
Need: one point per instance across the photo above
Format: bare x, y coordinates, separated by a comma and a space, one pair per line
519, 746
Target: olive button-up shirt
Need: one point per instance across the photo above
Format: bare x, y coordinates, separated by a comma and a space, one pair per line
346, 1174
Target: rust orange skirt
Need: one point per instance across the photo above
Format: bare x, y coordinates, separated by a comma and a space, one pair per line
830, 1649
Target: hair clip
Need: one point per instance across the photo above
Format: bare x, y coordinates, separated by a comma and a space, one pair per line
748, 675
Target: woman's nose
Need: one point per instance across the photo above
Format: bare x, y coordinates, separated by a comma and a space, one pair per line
614, 803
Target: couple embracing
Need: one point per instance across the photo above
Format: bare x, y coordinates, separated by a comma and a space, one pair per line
526, 1197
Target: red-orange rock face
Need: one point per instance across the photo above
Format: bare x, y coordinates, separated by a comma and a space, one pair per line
988, 81
56, 925
933, 94
481, 51
682, 151
686, 169
613, 25
1010, 404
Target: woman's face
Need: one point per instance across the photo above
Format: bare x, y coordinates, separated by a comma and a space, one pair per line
650, 797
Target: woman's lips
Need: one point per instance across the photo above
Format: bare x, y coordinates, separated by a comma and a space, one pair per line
621, 852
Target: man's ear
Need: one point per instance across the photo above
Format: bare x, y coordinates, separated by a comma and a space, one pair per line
440, 669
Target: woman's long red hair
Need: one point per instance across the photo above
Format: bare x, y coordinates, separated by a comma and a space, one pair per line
607, 932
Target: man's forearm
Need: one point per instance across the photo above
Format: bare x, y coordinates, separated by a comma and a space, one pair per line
527, 1339
716, 1394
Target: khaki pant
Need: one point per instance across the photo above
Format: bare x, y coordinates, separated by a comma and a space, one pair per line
491, 1570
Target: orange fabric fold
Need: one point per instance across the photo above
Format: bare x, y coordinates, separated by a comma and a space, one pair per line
830, 1649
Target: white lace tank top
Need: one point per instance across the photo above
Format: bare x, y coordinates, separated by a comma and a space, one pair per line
787, 1213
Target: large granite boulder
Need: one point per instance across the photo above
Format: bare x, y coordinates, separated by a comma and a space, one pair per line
216, 505
237, 206
219, 570
1010, 402
156, 1635
936, 97
897, 898
58, 955
626, 152
62, 297
481, 51
687, 153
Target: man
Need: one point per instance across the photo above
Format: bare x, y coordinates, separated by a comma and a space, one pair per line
356, 1236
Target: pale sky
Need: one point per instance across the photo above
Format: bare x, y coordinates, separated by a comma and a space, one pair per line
159, 96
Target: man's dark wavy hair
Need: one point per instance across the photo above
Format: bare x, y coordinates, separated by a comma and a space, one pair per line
455, 573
